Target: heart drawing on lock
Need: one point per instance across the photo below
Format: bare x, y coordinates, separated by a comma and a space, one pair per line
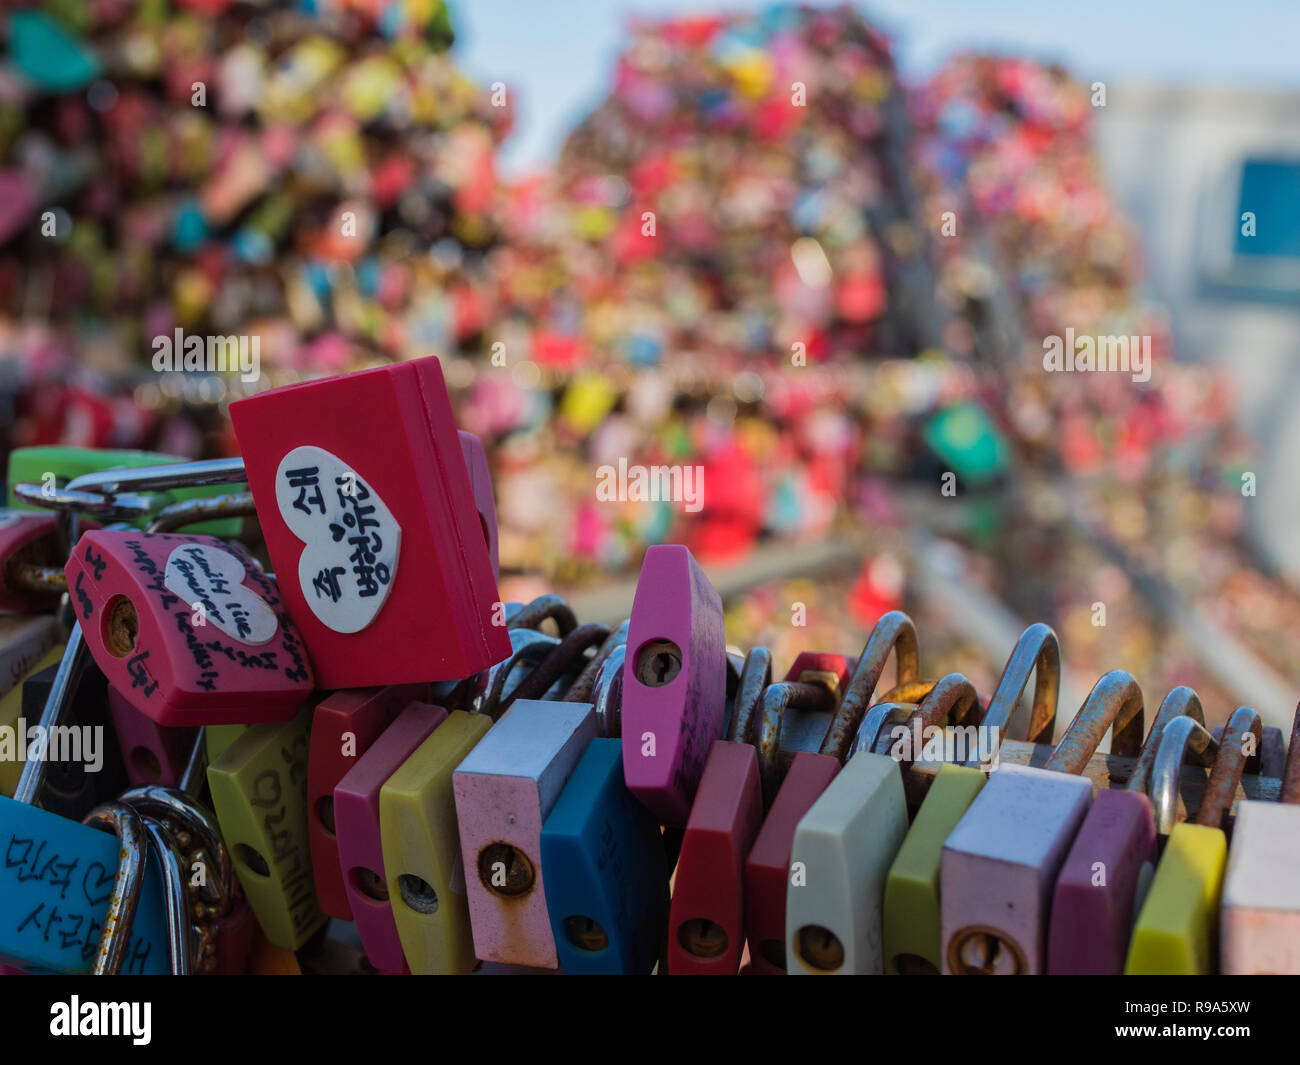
211, 580
103, 881
350, 538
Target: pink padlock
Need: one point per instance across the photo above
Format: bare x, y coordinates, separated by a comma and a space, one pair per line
674, 682
343, 727
356, 817
480, 481
187, 628
152, 753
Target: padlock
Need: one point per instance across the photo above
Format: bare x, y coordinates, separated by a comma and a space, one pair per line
480, 481
706, 927
58, 876
151, 753
811, 678
356, 815
30, 561
187, 628
674, 682
24, 641
382, 563
603, 855
343, 727
1001, 860
605, 871
504, 789
767, 867
1176, 930
422, 854
1109, 867
1037, 650
1259, 923
847, 842
259, 792
59, 467
13, 749
88, 769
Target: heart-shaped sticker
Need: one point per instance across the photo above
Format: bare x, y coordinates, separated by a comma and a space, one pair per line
351, 539
212, 582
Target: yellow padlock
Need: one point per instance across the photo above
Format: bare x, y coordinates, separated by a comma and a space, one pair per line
1177, 927
259, 793
11, 713
421, 846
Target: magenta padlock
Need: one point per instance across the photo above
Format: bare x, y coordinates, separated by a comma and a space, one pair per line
152, 753
356, 819
480, 482
187, 628
674, 682
1111, 863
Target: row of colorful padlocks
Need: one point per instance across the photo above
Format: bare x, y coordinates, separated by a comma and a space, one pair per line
214, 757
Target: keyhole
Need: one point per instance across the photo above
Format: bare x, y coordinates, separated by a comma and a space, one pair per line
121, 626
586, 934
505, 871
820, 948
658, 663
980, 951
370, 883
702, 938
417, 893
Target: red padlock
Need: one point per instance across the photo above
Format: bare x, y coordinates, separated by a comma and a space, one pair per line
28, 559
152, 753
187, 628
370, 519
480, 479
343, 727
767, 869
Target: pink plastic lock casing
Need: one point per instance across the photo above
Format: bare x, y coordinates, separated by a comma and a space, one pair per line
480, 479
677, 721
152, 753
176, 672
343, 727
356, 817
392, 427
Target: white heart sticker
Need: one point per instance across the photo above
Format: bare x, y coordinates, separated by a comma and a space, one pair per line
351, 539
212, 582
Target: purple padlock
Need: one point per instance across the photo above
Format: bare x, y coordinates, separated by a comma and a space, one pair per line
674, 682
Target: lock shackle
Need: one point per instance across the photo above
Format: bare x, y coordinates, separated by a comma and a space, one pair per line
181, 940
530, 647
1179, 702
162, 478
608, 694
580, 690
1115, 700
76, 657
1181, 739
171, 804
895, 633
777, 699
1229, 766
869, 734
191, 511
118, 507
1291, 774
127, 825
543, 608
755, 678
1037, 651
913, 692
565, 658
952, 700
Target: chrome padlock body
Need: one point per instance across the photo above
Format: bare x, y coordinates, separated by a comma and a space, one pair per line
356, 814
1000, 863
343, 727
505, 788
187, 628
606, 874
674, 682
369, 517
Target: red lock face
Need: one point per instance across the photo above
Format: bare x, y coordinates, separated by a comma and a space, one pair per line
25, 537
370, 519
187, 629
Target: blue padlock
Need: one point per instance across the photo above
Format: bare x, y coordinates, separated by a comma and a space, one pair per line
57, 877
604, 868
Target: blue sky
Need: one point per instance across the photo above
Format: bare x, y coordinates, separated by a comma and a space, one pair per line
558, 54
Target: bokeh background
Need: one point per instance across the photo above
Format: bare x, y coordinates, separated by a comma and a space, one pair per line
799, 324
